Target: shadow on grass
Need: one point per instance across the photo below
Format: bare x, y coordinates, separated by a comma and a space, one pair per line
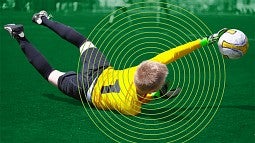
66, 99
166, 114
177, 114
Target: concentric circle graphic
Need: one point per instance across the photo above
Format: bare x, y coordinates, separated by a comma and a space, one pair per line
140, 33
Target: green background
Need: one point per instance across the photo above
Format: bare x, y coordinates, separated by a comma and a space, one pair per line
34, 111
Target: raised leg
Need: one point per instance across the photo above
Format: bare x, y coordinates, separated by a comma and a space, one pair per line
31, 53
62, 30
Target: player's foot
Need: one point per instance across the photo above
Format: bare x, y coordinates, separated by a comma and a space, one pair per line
16, 30
214, 37
37, 17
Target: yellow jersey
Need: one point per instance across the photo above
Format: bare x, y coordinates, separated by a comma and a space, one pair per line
115, 89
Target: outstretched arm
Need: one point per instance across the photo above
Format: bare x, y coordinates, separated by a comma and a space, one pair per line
176, 53
180, 51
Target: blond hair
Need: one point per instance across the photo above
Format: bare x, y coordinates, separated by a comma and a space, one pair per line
150, 75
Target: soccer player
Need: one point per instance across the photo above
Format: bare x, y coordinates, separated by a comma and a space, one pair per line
120, 6
98, 82
163, 7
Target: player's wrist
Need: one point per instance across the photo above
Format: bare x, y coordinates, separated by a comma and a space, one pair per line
156, 94
204, 42
212, 38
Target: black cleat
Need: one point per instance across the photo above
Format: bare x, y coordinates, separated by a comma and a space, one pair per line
37, 17
16, 30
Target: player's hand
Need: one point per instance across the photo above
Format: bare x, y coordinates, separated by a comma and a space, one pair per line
214, 37
171, 93
167, 93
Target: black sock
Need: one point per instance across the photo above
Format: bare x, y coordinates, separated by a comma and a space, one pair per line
35, 58
65, 32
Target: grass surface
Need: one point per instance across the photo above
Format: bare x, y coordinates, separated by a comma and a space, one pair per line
34, 111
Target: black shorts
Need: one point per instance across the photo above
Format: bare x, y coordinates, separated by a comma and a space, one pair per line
93, 62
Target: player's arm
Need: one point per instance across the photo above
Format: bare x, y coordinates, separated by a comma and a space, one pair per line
165, 92
180, 51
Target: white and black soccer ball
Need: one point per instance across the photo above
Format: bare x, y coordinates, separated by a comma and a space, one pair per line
233, 44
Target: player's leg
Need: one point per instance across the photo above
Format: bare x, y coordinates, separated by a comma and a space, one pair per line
62, 30
124, 10
32, 55
111, 17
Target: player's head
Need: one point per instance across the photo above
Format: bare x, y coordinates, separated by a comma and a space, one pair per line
150, 76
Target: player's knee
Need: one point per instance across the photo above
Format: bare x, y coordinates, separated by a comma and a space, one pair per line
54, 76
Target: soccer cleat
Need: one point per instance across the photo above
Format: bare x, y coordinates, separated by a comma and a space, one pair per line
214, 37
16, 30
37, 17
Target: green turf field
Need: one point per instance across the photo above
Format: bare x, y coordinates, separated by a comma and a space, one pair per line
34, 111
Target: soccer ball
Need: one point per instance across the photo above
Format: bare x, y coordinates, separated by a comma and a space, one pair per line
233, 44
